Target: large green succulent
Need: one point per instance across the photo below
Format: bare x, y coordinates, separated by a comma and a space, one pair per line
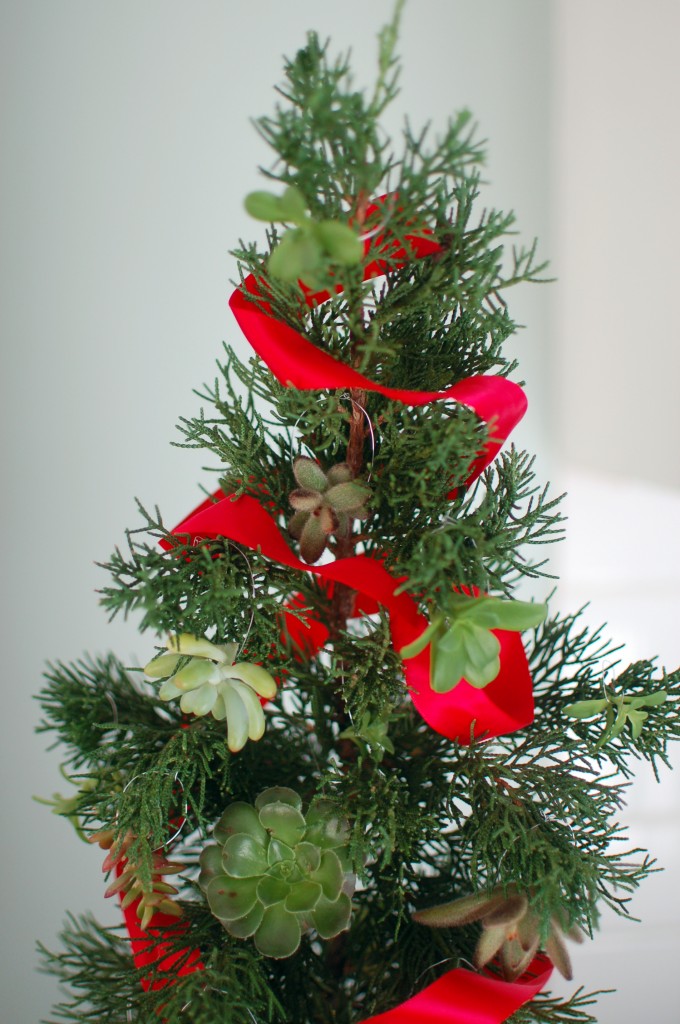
276, 873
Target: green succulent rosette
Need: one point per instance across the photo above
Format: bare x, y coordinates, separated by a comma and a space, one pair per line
275, 873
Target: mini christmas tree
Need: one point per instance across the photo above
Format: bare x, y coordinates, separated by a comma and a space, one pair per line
380, 783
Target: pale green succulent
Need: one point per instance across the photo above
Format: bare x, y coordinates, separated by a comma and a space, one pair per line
276, 873
461, 638
305, 250
211, 683
620, 710
511, 930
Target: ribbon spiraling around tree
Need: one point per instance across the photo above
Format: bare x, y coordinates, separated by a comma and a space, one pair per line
503, 706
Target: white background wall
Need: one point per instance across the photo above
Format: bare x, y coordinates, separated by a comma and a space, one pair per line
126, 151
615, 217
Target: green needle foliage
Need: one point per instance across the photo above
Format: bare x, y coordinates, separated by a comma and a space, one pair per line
533, 815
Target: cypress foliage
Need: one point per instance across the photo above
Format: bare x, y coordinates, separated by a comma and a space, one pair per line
429, 820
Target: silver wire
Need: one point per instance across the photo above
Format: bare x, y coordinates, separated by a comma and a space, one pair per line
185, 807
389, 208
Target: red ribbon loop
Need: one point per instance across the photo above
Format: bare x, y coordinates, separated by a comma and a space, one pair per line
461, 997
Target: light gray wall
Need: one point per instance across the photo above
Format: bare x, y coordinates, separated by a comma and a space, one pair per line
126, 151
615, 117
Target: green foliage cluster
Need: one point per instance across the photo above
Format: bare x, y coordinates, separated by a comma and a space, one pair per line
430, 820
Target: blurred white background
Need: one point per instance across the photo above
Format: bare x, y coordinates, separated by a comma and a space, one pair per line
126, 152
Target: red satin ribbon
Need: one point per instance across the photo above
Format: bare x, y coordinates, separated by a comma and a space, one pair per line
461, 997
295, 362
503, 706
148, 949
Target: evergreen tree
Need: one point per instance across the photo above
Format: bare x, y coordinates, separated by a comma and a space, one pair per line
331, 754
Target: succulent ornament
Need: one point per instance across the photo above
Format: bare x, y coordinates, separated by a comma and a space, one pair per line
207, 680
371, 736
463, 644
306, 249
154, 895
619, 711
275, 873
68, 806
511, 930
324, 503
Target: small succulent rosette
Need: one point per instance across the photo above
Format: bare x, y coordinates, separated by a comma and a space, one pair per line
152, 894
211, 682
511, 930
276, 873
325, 505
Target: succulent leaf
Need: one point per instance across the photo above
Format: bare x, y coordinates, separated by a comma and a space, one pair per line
490, 941
244, 857
244, 927
200, 701
296, 524
313, 539
303, 500
309, 474
330, 917
211, 864
279, 853
325, 827
231, 898
279, 933
307, 857
195, 646
251, 703
240, 817
278, 795
197, 672
329, 874
263, 206
340, 473
303, 897
559, 954
339, 241
283, 822
347, 497
162, 666
459, 912
585, 708
509, 911
255, 676
169, 691
271, 890
237, 719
